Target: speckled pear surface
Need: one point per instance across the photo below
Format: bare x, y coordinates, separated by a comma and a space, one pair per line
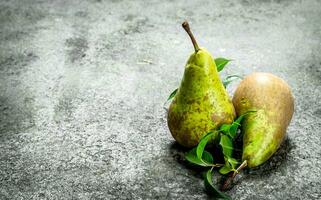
201, 103
264, 130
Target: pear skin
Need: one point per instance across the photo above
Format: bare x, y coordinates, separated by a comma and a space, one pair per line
201, 103
264, 130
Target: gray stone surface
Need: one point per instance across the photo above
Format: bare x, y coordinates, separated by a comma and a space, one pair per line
82, 87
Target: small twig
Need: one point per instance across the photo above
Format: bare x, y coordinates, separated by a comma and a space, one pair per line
217, 165
144, 61
242, 166
229, 180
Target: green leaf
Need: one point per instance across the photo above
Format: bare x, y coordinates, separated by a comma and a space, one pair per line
233, 130
225, 169
230, 78
230, 165
212, 189
207, 157
233, 162
201, 145
172, 95
237, 123
206, 160
225, 128
240, 118
220, 63
227, 145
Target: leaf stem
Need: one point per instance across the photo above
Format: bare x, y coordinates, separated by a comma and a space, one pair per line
189, 32
230, 179
217, 165
242, 166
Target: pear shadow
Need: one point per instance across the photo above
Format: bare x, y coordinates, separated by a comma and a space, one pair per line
277, 161
177, 152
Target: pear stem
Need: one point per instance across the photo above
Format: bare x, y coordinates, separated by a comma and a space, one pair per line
230, 179
189, 32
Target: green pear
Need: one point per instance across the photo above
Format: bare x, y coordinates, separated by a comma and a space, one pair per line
264, 130
201, 103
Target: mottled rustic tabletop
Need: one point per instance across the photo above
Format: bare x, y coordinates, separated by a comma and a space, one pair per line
82, 87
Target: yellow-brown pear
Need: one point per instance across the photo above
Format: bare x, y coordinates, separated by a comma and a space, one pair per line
264, 130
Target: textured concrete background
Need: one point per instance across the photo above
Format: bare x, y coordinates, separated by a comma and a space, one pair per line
82, 87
